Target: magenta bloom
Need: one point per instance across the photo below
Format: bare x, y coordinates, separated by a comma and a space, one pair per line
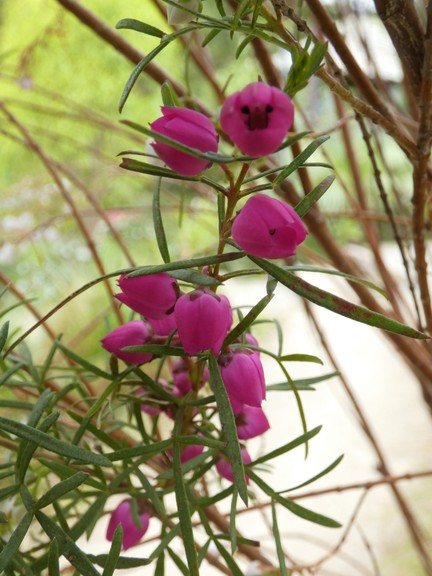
257, 118
187, 127
135, 333
268, 228
225, 470
163, 326
251, 422
203, 320
243, 376
132, 534
153, 296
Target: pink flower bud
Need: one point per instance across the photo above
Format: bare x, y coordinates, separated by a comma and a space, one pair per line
251, 422
203, 320
132, 534
163, 326
187, 127
181, 372
268, 228
135, 333
225, 469
153, 296
243, 376
257, 118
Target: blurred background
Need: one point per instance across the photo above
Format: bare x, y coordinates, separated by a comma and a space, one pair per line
69, 214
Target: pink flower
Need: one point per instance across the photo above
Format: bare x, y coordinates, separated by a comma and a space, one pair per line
203, 320
190, 451
251, 422
225, 469
132, 534
153, 296
163, 326
268, 228
243, 376
257, 118
187, 127
181, 371
135, 333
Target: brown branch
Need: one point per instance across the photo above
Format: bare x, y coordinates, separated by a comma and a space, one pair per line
405, 30
422, 178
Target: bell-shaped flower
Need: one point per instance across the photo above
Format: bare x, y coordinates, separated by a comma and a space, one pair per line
268, 228
257, 118
153, 296
135, 333
190, 451
132, 533
243, 376
251, 422
225, 469
203, 320
187, 127
163, 326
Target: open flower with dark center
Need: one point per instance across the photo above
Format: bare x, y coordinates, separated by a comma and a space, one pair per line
257, 118
268, 228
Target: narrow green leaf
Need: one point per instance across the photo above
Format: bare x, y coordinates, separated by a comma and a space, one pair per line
301, 358
243, 44
52, 444
314, 195
279, 548
114, 553
83, 362
183, 507
233, 515
123, 562
303, 384
153, 170
229, 560
149, 451
288, 447
247, 321
89, 519
158, 224
53, 559
210, 36
138, 26
137, 71
4, 330
316, 477
169, 97
62, 488
335, 303
164, 541
178, 562
11, 547
67, 546
229, 428
292, 506
157, 349
300, 159
195, 278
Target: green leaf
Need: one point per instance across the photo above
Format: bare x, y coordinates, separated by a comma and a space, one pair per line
301, 358
210, 36
314, 195
142, 64
195, 278
335, 303
4, 330
233, 514
157, 349
52, 444
316, 477
11, 548
299, 160
123, 563
62, 488
114, 553
67, 546
138, 26
279, 548
53, 559
178, 562
88, 520
183, 508
292, 506
153, 170
158, 224
247, 321
303, 384
230, 562
229, 428
243, 44
149, 451
303, 439
83, 362
169, 97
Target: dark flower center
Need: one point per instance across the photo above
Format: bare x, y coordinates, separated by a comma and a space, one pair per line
257, 118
